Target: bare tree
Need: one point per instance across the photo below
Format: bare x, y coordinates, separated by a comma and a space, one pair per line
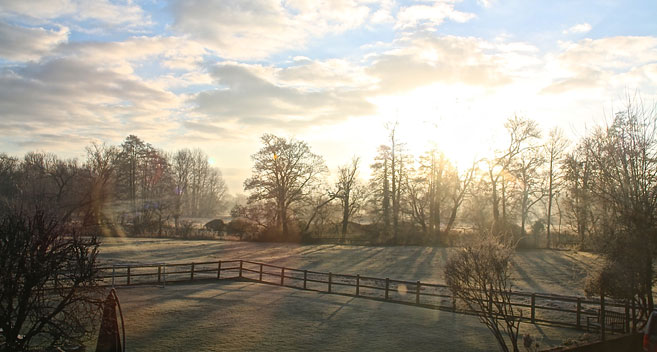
200, 189
350, 193
624, 157
48, 274
418, 201
181, 169
520, 131
554, 149
9, 178
380, 187
130, 161
387, 183
525, 169
283, 172
578, 178
434, 194
458, 194
397, 175
100, 169
436, 178
479, 275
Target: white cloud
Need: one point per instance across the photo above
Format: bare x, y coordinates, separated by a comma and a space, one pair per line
170, 52
322, 74
384, 13
485, 3
578, 28
37, 9
430, 15
251, 99
107, 12
427, 59
604, 62
64, 97
257, 29
23, 44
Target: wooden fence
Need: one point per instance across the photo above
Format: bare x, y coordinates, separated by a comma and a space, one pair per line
536, 308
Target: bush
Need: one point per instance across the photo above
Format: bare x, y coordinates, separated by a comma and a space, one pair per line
479, 274
242, 227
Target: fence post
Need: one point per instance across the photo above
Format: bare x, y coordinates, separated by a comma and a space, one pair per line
260, 278
282, 276
602, 316
219, 270
453, 302
330, 281
241, 262
128, 275
164, 274
417, 293
113, 273
305, 277
627, 316
358, 285
533, 307
579, 312
191, 276
387, 286
159, 274
633, 316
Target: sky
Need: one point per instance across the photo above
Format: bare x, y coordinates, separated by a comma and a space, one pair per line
217, 74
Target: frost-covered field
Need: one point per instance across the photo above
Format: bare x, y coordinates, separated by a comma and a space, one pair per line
244, 316
544, 271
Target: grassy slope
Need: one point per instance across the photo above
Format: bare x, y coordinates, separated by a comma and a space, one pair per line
547, 271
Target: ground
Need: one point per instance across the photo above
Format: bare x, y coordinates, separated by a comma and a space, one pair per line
246, 316
539, 271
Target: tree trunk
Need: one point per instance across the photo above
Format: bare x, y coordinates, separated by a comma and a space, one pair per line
386, 198
549, 210
345, 216
450, 222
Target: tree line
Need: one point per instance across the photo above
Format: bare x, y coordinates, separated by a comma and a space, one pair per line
131, 188
597, 193
411, 199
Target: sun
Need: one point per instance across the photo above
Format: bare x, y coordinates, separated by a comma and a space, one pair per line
446, 119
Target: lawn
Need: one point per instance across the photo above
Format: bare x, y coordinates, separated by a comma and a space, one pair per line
541, 271
246, 316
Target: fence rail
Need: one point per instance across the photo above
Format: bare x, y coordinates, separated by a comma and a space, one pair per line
536, 308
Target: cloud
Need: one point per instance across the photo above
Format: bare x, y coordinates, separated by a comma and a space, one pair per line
23, 44
171, 52
428, 59
71, 97
37, 9
104, 11
578, 28
257, 29
249, 99
322, 74
430, 15
486, 3
604, 62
